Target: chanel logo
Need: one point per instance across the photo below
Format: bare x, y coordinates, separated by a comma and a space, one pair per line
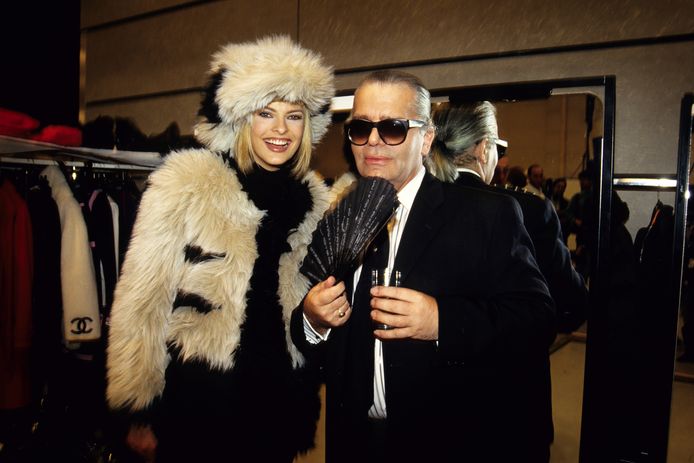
81, 325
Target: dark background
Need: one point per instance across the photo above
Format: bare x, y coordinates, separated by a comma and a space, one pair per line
40, 60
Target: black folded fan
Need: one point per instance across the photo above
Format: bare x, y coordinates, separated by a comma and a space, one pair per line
346, 230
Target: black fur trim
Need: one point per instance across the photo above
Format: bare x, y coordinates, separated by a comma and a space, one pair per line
325, 108
209, 109
195, 301
195, 254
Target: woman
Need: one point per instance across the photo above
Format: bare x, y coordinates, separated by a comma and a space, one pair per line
199, 355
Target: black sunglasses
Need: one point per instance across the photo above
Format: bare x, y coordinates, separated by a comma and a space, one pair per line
391, 131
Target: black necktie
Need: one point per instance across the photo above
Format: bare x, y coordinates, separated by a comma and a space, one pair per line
376, 257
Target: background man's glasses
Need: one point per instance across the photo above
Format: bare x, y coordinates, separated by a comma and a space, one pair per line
391, 131
501, 146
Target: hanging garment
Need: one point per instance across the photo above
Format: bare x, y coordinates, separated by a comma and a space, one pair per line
47, 305
114, 218
100, 229
16, 270
78, 281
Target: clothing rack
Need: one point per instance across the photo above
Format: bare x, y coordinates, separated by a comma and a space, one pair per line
645, 182
17, 151
51, 162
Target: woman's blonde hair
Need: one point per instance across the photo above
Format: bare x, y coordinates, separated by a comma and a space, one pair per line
245, 156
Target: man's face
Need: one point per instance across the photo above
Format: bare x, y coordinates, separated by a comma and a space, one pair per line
398, 163
536, 177
502, 170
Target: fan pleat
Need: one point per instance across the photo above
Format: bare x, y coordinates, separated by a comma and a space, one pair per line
344, 233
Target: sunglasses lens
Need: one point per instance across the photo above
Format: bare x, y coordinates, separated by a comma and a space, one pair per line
501, 150
392, 131
358, 131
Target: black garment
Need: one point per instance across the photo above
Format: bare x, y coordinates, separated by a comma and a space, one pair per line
688, 300
101, 240
580, 215
47, 303
480, 393
565, 284
652, 328
262, 397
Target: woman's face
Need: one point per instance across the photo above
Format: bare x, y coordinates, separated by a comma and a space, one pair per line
276, 132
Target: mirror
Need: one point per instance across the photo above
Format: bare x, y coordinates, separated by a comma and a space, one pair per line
680, 445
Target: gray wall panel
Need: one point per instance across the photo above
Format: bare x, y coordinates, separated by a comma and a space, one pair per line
96, 12
153, 115
172, 51
376, 32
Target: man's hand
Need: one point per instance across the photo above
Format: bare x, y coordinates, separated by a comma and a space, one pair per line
143, 441
409, 313
326, 305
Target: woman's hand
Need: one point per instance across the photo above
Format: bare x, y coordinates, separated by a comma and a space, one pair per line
326, 305
142, 440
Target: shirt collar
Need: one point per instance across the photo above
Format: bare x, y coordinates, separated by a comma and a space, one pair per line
470, 171
409, 191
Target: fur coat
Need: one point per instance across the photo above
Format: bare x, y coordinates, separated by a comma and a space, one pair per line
193, 248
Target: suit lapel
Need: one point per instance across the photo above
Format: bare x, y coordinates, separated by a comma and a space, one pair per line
422, 225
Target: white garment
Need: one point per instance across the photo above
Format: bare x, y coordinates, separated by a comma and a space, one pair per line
77, 277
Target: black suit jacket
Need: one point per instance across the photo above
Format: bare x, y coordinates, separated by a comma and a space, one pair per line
566, 285
482, 392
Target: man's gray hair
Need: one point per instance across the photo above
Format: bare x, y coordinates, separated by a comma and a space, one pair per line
458, 130
422, 103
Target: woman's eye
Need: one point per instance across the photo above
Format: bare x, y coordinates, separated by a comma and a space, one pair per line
295, 117
264, 114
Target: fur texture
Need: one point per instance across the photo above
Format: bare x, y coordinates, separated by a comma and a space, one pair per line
248, 76
197, 237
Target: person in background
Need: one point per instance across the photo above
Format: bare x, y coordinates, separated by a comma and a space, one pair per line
461, 374
516, 178
461, 131
687, 330
200, 360
558, 200
501, 170
561, 204
536, 178
581, 222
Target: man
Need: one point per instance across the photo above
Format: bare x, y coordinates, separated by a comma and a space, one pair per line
456, 376
468, 139
580, 218
536, 178
501, 171
561, 204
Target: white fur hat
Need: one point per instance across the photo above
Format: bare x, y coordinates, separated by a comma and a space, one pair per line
246, 77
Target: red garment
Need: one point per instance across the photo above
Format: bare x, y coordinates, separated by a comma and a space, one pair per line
60, 135
16, 274
16, 124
